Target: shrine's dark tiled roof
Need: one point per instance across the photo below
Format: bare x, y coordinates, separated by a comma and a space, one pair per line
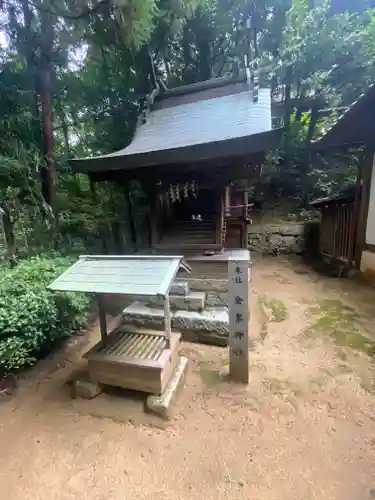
222, 120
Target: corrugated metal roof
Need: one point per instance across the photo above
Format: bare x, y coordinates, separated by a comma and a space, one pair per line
200, 122
128, 275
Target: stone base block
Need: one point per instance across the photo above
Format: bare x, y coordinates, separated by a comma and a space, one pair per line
162, 405
83, 387
210, 326
142, 315
216, 299
179, 288
207, 338
213, 321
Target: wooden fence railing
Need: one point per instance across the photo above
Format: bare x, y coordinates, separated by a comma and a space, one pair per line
337, 231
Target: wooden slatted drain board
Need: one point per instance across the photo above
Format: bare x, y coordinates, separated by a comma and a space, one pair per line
134, 360
139, 346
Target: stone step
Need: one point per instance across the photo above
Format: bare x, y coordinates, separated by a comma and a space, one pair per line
194, 238
179, 288
207, 284
182, 247
209, 326
192, 230
193, 301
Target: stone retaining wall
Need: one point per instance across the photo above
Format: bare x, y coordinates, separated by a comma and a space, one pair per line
273, 239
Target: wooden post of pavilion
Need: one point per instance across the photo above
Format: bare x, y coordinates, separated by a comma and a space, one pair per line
102, 316
167, 322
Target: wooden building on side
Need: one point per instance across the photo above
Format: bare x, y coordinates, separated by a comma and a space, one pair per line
195, 152
348, 221
337, 237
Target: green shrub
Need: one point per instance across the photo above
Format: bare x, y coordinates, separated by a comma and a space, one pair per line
33, 318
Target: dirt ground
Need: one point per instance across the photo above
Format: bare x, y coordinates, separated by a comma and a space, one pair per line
304, 428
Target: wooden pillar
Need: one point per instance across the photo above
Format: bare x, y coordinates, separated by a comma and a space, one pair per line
219, 216
244, 236
227, 201
366, 168
354, 221
246, 204
238, 302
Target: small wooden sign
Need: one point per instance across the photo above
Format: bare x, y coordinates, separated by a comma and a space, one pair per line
239, 282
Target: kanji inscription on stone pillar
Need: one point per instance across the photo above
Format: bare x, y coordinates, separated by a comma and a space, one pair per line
238, 302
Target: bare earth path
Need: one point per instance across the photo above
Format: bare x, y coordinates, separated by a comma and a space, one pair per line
304, 428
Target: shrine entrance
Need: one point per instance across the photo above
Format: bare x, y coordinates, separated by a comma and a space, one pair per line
187, 219
199, 208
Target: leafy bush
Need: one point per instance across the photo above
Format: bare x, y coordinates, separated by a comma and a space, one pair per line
33, 318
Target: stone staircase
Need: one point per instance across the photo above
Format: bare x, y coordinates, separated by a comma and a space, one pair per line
199, 311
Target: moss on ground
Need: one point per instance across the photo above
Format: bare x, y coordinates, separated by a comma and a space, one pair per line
210, 377
277, 308
342, 324
276, 386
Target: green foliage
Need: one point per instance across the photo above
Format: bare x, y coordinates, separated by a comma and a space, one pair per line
33, 318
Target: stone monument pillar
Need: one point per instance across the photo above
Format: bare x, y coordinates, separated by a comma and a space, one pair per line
239, 316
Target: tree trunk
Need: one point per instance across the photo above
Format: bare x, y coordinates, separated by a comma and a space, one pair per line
10, 240
64, 126
287, 99
203, 41
29, 47
186, 54
49, 170
132, 226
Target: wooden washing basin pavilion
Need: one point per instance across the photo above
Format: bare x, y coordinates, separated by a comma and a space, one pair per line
127, 357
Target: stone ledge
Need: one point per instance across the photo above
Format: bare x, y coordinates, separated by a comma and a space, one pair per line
142, 315
208, 284
217, 299
212, 321
193, 301
179, 288
209, 323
